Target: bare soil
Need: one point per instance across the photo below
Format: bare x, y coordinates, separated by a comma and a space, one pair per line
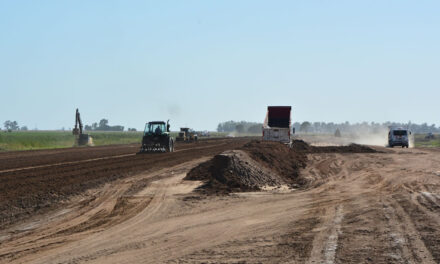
379, 207
257, 165
51, 176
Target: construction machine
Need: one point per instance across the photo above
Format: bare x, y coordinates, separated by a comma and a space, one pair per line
157, 138
81, 139
186, 135
430, 136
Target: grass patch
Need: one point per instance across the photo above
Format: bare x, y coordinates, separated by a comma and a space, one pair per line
24, 140
421, 141
27, 140
111, 138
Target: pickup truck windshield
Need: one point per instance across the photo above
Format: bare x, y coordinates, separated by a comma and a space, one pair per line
400, 132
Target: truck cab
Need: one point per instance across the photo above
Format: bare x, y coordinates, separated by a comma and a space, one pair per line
398, 137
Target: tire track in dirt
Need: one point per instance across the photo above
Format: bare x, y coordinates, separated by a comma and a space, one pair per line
404, 238
108, 207
36, 190
425, 221
292, 245
326, 241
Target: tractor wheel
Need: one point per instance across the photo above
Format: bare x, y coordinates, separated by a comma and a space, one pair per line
170, 147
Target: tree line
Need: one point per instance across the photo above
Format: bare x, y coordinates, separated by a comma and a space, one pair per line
103, 126
13, 126
329, 127
240, 127
364, 127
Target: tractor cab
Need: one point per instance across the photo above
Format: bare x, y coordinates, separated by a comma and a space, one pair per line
156, 128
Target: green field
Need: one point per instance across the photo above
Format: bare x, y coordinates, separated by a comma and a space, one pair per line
421, 141
27, 140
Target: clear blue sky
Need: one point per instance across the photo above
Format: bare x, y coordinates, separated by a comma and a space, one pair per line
202, 62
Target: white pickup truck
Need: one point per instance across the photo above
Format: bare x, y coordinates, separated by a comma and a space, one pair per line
277, 124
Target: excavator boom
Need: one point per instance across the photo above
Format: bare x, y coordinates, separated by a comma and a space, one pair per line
81, 139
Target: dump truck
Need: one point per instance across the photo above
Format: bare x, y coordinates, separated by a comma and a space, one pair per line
277, 124
157, 138
186, 135
81, 138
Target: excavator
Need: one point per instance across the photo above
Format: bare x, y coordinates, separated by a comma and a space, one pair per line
81, 139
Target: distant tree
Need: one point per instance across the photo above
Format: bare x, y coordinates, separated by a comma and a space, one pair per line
24, 128
11, 125
132, 129
255, 129
239, 128
103, 126
103, 123
230, 126
115, 128
305, 127
7, 124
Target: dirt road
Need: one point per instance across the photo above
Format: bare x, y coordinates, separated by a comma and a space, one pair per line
363, 208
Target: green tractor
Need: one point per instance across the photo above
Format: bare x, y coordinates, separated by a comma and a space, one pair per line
157, 138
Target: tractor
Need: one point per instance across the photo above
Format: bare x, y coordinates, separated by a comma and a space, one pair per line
186, 135
157, 138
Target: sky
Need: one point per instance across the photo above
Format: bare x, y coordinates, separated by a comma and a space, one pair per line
199, 63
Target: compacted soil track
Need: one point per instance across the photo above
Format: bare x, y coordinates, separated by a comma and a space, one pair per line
359, 208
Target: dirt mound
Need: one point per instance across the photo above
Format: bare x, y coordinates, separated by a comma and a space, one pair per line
252, 167
233, 171
277, 157
299, 145
261, 163
352, 148
302, 146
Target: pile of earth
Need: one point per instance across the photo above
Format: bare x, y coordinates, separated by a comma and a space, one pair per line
302, 146
260, 164
252, 167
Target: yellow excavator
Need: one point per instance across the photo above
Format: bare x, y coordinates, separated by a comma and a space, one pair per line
81, 139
